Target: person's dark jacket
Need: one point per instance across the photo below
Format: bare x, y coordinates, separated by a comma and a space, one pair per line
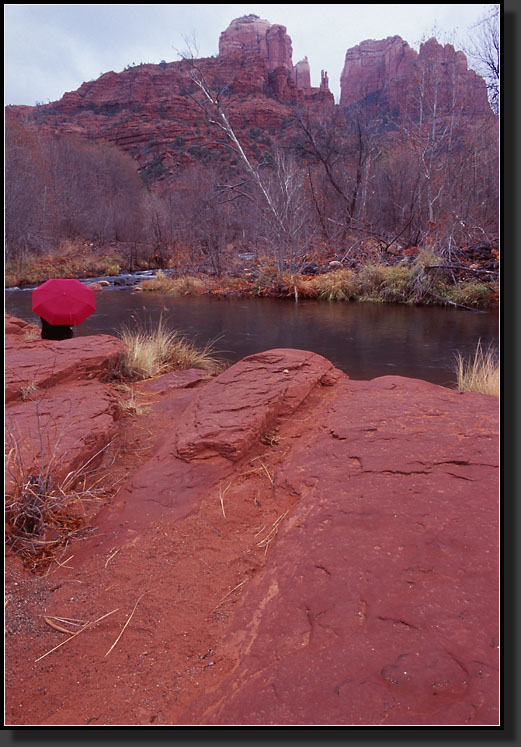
56, 331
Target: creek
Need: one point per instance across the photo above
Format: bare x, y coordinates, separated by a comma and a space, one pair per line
365, 340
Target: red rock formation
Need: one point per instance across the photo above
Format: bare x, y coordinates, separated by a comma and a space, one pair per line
303, 74
58, 413
253, 35
147, 111
296, 547
215, 425
31, 361
370, 66
401, 78
380, 603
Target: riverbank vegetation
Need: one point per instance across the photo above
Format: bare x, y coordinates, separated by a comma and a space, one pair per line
480, 373
418, 283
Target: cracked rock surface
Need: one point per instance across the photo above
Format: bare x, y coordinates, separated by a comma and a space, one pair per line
379, 603
283, 546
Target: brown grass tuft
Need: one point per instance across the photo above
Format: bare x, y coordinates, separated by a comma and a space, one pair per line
478, 374
155, 350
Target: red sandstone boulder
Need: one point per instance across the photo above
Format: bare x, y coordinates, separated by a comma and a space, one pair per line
376, 603
14, 326
60, 429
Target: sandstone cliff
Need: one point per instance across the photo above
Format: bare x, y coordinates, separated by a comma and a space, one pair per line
147, 110
391, 73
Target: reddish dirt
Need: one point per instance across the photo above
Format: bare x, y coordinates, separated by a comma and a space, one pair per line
351, 528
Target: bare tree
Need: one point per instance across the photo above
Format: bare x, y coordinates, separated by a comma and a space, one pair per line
276, 181
346, 148
28, 194
484, 50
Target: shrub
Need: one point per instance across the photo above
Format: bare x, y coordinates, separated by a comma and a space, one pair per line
469, 293
161, 283
43, 509
189, 285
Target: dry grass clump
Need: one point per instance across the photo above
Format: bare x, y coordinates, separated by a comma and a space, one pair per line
129, 402
339, 285
478, 374
161, 283
43, 512
469, 293
385, 283
187, 285
151, 351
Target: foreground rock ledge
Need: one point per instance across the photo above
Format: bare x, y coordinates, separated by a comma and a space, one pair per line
375, 603
379, 603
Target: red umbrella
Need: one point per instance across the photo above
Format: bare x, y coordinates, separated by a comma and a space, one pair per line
63, 301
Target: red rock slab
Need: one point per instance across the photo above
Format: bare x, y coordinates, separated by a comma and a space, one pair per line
237, 407
379, 602
174, 380
45, 363
210, 430
61, 430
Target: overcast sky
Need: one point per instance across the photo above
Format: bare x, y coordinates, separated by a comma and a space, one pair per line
51, 49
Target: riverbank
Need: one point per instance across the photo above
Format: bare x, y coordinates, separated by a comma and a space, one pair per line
211, 552
420, 278
418, 284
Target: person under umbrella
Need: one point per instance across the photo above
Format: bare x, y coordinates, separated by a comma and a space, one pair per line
56, 331
61, 303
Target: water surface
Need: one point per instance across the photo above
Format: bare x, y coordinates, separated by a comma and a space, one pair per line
365, 340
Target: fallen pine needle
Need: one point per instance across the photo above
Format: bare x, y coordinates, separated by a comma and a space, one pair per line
57, 627
270, 478
274, 529
228, 594
88, 625
110, 558
66, 620
125, 625
221, 496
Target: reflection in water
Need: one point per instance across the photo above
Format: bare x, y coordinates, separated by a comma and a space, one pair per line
363, 339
